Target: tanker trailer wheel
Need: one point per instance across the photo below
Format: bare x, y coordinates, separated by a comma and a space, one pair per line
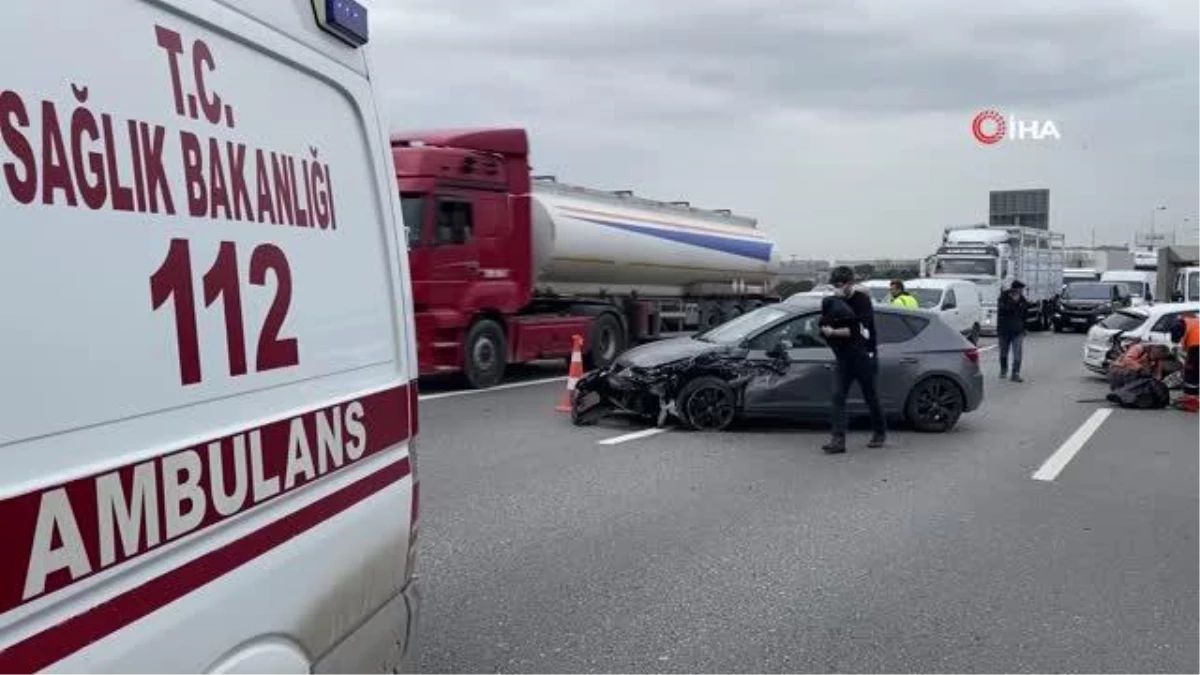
607, 340
710, 315
731, 311
487, 354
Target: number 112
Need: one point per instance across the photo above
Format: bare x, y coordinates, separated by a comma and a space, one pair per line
174, 281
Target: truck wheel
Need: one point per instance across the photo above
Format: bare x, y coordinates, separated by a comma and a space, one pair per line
607, 340
710, 315
487, 354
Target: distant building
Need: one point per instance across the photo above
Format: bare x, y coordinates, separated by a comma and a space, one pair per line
885, 267
804, 270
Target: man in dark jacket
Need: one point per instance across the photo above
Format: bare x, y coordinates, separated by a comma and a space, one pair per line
848, 325
1011, 310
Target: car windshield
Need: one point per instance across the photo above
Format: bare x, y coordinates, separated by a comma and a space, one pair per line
736, 330
972, 266
1136, 288
1087, 291
1123, 321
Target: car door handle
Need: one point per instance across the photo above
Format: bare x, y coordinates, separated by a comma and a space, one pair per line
828, 366
909, 359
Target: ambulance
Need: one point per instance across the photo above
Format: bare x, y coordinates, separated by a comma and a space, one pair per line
207, 366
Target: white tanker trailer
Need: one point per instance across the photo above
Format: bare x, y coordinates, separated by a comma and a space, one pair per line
507, 268
588, 241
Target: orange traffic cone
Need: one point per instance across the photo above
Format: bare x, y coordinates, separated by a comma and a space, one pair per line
573, 375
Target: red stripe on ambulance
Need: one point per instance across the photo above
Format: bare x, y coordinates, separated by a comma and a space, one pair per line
56, 643
63, 534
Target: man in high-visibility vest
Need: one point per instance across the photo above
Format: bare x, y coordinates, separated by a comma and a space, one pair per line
902, 297
1187, 333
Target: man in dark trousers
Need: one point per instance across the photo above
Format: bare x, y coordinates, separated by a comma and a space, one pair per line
1186, 332
1011, 310
848, 324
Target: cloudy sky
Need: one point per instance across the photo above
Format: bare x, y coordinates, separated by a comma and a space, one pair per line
842, 125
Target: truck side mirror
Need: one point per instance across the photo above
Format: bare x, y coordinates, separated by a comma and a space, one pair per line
949, 304
1177, 297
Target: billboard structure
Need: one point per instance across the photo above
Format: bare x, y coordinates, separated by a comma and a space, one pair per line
1153, 239
1027, 208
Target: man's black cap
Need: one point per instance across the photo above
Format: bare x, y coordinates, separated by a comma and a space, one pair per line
1017, 284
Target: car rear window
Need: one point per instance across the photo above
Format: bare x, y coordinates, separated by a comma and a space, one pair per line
1164, 324
1123, 321
893, 328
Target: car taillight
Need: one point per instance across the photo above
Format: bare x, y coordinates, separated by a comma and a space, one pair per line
972, 354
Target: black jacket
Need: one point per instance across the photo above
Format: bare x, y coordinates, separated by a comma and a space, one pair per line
1010, 314
857, 313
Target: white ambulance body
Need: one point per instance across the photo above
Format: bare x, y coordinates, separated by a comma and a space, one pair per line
207, 396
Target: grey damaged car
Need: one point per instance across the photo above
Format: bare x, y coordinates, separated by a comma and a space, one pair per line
773, 362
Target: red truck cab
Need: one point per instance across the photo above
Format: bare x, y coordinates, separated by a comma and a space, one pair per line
466, 204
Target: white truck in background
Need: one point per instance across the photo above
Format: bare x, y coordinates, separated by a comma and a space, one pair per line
1110, 260
994, 256
1178, 276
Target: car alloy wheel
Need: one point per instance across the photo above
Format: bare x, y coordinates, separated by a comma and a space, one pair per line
707, 404
935, 405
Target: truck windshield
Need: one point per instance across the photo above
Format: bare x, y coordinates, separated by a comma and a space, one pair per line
1086, 291
412, 208
971, 266
736, 330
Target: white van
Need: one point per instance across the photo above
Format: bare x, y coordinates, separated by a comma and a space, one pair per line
206, 369
1140, 284
880, 290
956, 300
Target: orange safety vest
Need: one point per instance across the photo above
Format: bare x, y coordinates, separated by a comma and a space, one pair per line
1191, 333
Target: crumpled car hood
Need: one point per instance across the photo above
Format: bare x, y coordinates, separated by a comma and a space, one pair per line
649, 383
667, 351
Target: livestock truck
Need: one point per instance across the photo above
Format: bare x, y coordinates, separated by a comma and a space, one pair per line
993, 256
506, 266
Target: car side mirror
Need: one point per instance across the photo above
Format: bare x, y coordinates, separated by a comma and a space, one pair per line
949, 304
780, 350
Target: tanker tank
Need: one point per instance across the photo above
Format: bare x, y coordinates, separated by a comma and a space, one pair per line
586, 241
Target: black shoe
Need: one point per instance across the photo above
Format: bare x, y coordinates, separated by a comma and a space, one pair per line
1003, 375
835, 446
1017, 378
877, 441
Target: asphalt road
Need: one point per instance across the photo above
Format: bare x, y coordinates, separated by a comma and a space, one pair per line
544, 550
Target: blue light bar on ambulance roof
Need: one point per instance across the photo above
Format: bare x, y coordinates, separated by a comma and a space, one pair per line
344, 19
